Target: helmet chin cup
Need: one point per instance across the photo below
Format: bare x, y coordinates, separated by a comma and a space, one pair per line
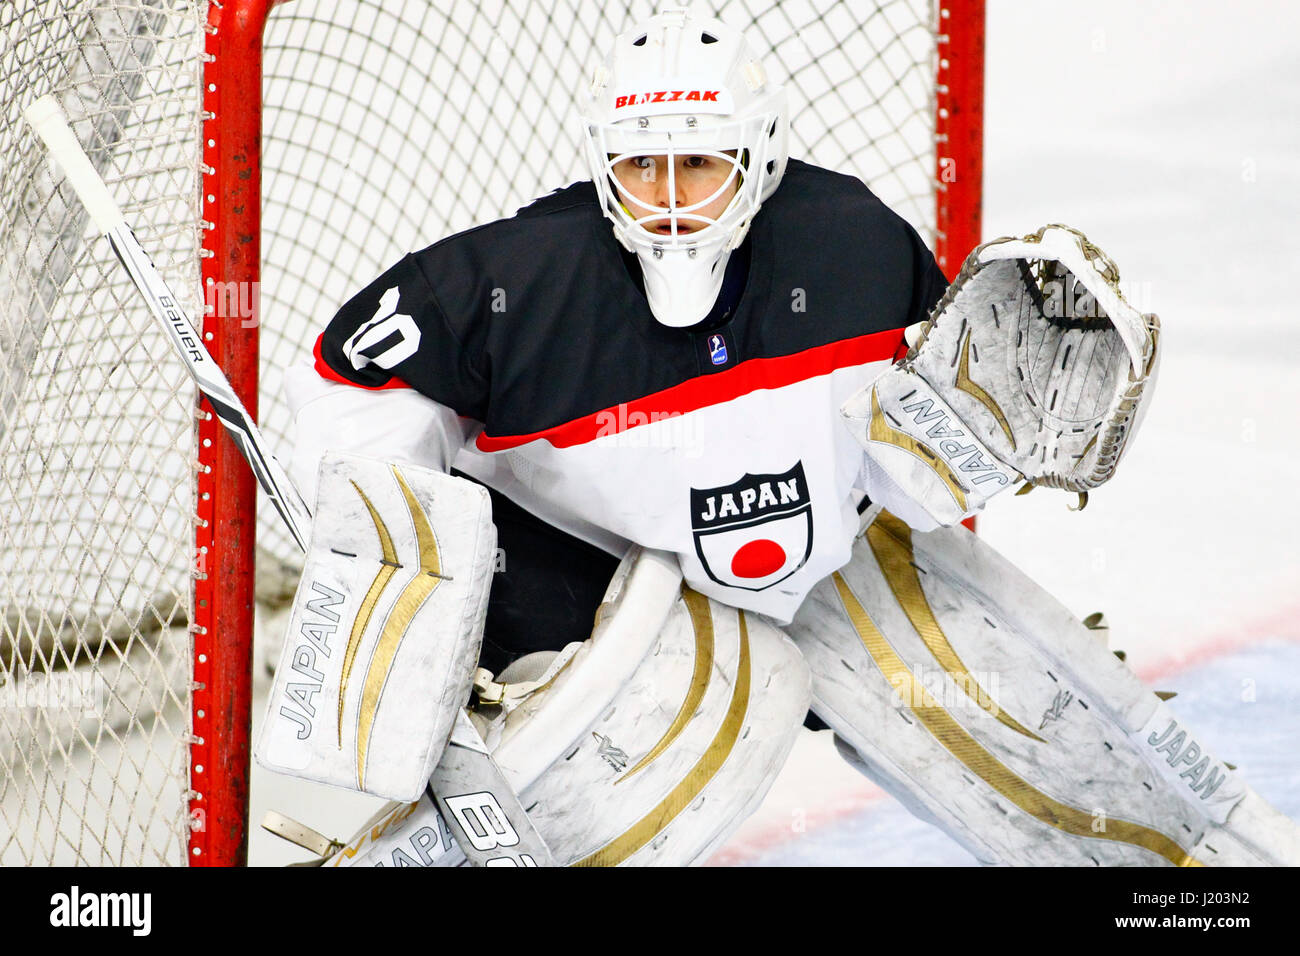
680, 287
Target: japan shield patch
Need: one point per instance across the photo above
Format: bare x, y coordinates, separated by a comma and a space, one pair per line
755, 532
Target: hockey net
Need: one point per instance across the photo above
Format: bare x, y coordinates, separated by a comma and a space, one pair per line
386, 125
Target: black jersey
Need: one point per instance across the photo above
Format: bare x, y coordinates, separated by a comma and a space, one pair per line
721, 442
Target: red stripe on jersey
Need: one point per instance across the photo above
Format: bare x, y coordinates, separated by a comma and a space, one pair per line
697, 393
325, 372
901, 352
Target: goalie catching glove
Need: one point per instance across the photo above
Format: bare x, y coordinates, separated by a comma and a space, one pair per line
1032, 367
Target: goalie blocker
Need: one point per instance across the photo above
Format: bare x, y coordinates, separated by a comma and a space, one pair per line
386, 628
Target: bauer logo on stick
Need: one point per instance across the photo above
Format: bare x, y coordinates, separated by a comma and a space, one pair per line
755, 532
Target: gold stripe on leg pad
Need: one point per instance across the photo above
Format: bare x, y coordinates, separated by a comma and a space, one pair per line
985, 765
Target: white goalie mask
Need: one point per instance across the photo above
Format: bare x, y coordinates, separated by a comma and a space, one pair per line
674, 88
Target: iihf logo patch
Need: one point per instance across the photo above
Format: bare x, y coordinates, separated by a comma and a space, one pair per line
718, 349
756, 532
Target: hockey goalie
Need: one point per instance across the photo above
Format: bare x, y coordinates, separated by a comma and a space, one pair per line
674, 461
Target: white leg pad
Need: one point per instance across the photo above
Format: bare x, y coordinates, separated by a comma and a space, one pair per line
986, 707
648, 744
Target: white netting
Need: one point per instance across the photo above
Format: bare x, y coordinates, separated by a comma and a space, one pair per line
397, 123
97, 451
388, 125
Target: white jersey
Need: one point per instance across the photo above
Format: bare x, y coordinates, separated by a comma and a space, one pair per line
523, 354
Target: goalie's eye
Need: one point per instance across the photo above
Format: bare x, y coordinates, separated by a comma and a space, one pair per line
643, 162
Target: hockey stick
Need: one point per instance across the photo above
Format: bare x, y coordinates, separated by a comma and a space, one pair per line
46, 117
469, 761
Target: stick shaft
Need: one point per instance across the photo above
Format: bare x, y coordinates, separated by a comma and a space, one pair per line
212, 381
47, 119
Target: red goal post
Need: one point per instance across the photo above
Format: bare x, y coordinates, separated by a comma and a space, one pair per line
959, 132
273, 158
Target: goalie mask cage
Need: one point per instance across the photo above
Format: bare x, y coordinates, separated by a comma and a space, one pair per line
369, 129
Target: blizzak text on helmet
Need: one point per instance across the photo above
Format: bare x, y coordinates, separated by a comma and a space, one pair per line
667, 96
